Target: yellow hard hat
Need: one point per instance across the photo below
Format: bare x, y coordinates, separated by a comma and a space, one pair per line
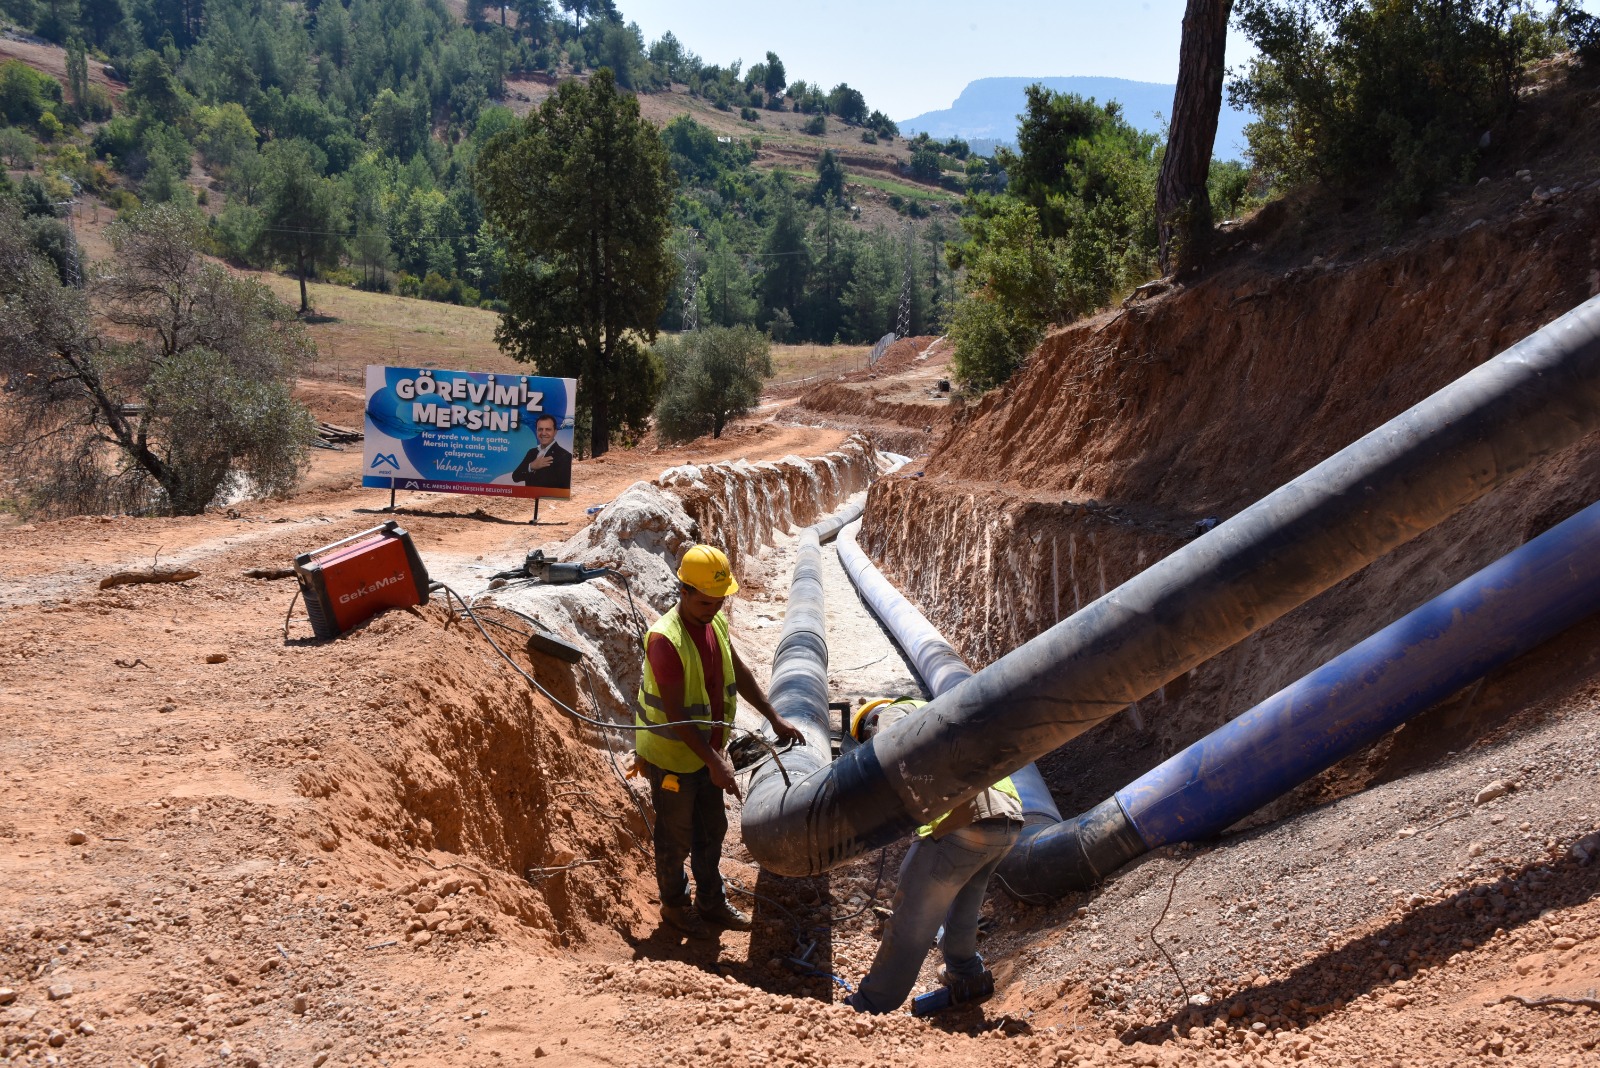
860, 716
867, 713
706, 568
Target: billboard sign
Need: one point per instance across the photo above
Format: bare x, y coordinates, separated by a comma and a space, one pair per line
498, 435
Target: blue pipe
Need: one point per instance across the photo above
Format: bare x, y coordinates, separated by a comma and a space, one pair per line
1521, 601
1510, 607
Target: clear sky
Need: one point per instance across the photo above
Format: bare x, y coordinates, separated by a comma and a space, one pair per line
908, 58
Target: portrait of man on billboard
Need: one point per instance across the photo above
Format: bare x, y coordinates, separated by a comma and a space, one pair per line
547, 465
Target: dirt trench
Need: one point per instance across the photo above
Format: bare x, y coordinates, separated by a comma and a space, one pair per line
465, 759
1174, 412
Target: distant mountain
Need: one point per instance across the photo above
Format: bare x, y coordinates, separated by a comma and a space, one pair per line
987, 110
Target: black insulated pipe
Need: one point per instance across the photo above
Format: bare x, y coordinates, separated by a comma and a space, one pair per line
1076, 854
828, 529
1409, 474
798, 691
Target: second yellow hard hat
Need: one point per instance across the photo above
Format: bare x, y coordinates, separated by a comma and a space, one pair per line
706, 568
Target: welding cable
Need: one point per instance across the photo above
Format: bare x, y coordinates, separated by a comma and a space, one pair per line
616, 769
568, 709
287, 615
638, 617
772, 752
611, 752
800, 926
800, 929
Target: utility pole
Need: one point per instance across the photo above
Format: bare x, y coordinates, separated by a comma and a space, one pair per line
691, 283
73, 265
903, 321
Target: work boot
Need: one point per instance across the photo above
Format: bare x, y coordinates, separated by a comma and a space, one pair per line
970, 988
723, 914
686, 921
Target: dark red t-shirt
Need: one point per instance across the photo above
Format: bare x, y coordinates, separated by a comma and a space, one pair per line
669, 670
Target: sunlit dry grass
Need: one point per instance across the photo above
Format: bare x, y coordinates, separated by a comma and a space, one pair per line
353, 328
793, 362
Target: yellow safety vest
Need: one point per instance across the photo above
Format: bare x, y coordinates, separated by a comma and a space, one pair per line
1004, 786
662, 747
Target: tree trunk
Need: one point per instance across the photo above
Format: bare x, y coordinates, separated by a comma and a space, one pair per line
1183, 206
305, 305
599, 415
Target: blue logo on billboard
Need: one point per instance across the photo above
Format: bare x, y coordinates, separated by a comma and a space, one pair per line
386, 458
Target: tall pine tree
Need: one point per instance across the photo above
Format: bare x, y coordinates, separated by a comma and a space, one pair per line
581, 190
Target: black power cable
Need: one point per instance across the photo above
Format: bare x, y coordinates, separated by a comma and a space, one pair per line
800, 928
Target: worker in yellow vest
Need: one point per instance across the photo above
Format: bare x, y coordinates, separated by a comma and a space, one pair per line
691, 685
943, 880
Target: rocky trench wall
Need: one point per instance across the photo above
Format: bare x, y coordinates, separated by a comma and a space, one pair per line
739, 506
455, 762
1125, 432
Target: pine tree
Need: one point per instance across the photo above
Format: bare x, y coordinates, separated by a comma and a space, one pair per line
1183, 204
787, 259
582, 190
305, 216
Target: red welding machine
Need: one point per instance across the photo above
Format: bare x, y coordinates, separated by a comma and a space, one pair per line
356, 578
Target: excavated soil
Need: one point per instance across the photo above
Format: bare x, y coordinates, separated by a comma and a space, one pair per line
898, 402
222, 845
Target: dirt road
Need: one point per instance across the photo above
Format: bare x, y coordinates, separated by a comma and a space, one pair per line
220, 847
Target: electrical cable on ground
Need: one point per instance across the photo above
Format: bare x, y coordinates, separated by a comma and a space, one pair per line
799, 926
562, 705
1170, 962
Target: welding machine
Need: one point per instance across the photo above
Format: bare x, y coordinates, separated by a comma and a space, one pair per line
357, 577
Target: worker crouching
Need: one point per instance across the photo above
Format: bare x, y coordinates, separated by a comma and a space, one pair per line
691, 683
943, 880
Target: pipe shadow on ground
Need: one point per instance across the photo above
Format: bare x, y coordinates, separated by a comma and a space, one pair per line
1427, 937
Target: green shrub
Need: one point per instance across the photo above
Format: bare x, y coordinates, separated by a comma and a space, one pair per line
223, 133
1228, 183
339, 276
1394, 94
712, 376
25, 94
925, 163
97, 104
817, 125
990, 342
749, 114
236, 231
16, 148
117, 141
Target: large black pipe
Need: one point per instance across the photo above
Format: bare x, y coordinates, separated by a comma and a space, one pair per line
1532, 400
934, 659
828, 529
